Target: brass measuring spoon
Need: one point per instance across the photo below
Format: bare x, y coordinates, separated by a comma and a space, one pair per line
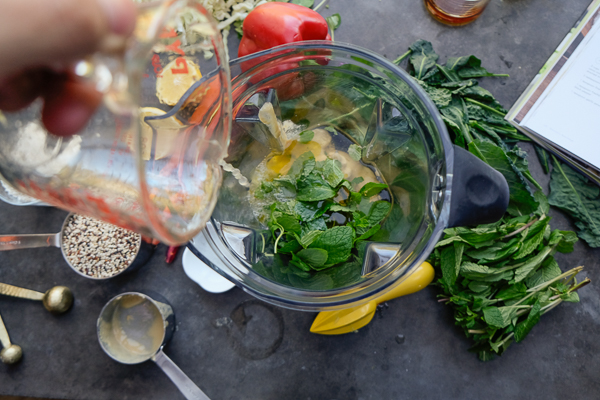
57, 300
11, 353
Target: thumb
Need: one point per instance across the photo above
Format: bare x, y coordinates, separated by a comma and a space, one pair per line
36, 33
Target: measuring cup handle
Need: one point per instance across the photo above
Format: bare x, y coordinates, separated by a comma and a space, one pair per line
13, 242
178, 377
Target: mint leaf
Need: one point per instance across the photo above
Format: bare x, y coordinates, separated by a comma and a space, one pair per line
473, 271
512, 291
298, 263
532, 264
306, 136
523, 328
548, 271
314, 257
357, 180
297, 167
317, 224
373, 230
499, 317
331, 130
337, 241
529, 246
332, 172
339, 208
307, 239
308, 211
314, 188
289, 223
354, 151
571, 297
451, 259
379, 210
497, 251
290, 247
372, 188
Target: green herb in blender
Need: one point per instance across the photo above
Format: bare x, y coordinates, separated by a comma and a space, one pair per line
317, 217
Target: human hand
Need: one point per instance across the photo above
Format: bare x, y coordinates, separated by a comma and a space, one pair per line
41, 39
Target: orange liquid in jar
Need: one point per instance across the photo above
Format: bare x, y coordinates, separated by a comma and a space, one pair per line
456, 12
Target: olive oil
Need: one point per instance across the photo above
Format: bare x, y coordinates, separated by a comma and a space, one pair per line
456, 12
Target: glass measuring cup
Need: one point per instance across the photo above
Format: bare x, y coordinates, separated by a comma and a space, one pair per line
357, 98
134, 327
156, 178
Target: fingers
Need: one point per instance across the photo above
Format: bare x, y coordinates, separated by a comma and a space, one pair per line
19, 90
54, 33
68, 105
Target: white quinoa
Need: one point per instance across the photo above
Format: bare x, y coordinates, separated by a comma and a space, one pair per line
98, 249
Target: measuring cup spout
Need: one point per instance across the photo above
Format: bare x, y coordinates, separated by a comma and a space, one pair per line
187, 387
14, 242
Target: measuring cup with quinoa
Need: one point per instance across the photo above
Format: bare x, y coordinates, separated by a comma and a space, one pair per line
92, 248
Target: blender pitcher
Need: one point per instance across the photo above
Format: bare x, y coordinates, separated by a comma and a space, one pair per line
347, 96
159, 178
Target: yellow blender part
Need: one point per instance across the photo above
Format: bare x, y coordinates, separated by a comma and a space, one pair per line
344, 321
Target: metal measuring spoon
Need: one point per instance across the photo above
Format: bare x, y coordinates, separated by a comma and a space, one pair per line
57, 300
133, 328
11, 353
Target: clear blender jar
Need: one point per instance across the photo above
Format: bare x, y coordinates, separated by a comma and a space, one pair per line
360, 99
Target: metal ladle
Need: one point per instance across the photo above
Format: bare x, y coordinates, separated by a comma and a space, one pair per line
11, 353
57, 300
133, 328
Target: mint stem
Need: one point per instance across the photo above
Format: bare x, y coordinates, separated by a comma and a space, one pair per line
521, 229
476, 331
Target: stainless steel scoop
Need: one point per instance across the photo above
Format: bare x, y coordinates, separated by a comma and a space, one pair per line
133, 328
29, 241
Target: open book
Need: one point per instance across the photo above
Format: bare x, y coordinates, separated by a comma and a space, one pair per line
560, 109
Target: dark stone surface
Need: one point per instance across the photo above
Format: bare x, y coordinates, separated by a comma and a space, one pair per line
267, 353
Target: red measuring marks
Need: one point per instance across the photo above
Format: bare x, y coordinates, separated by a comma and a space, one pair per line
157, 66
183, 66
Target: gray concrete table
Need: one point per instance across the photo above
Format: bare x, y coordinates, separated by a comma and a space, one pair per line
268, 353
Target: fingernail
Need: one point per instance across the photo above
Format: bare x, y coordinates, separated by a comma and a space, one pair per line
120, 14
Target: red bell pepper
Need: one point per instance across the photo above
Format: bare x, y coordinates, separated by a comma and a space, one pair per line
273, 24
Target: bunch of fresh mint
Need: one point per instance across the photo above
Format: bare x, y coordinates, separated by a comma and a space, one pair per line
499, 278
317, 223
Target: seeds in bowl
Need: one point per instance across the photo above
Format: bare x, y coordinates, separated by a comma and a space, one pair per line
97, 249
